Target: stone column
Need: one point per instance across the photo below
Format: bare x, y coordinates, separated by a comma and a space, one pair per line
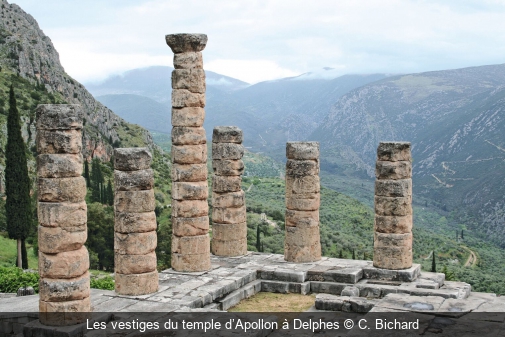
135, 236
229, 227
63, 259
302, 242
393, 206
190, 211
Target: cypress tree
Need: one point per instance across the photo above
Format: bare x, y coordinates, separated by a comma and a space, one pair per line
462, 236
433, 264
341, 254
86, 173
110, 194
353, 255
17, 182
258, 240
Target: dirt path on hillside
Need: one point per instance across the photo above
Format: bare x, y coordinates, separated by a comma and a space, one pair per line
472, 259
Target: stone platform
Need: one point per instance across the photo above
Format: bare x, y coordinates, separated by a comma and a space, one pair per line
352, 286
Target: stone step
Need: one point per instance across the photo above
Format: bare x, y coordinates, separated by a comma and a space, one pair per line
238, 295
402, 275
344, 303
279, 274
285, 287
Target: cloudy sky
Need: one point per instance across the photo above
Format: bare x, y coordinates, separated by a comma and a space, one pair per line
257, 40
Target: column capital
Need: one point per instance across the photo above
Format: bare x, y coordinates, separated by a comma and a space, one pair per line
183, 43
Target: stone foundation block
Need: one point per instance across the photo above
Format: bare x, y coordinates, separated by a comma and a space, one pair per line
189, 173
59, 165
300, 168
134, 264
393, 188
182, 98
344, 275
134, 201
190, 190
231, 151
228, 167
184, 135
228, 215
191, 263
397, 206
183, 43
302, 218
64, 265
135, 243
54, 240
188, 60
132, 159
393, 224
350, 291
192, 79
59, 116
62, 189
227, 134
59, 141
393, 170
190, 226
392, 240
224, 184
190, 245
58, 290
302, 185
136, 284
230, 199
51, 214
229, 248
392, 257
189, 116
189, 154
302, 203
64, 313
302, 150
133, 180
134, 222
393, 151
189, 208
229, 232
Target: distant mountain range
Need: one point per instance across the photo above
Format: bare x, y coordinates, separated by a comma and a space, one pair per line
454, 119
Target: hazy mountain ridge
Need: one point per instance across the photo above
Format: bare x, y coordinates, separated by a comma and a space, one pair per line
455, 121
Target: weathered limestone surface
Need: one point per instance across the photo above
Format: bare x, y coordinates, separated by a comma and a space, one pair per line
190, 210
393, 206
229, 228
63, 259
135, 236
302, 242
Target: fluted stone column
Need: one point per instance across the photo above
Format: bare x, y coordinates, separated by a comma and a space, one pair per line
190, 211
229, 226
393, 206
63, 259
302, 242
135, 236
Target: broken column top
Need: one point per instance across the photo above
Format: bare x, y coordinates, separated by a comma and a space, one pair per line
183, 43
132, 159
59, 116
227, 134
302, 150
393, 151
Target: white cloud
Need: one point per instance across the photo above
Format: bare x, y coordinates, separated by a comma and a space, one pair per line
259, 40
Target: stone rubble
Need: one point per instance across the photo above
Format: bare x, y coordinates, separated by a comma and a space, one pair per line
190, 220
229, 227
393, 207
302, 241
64, 287
135, 236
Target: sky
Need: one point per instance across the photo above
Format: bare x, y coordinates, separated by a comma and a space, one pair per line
258, 40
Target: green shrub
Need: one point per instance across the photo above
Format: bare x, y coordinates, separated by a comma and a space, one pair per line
13, 278
104, 283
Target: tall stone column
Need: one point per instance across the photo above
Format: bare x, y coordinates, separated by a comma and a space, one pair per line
135, 236
190, 211
229, 227
302, 242
63, 259
393, 206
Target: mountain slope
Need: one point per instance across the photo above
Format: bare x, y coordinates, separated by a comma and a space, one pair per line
455, 121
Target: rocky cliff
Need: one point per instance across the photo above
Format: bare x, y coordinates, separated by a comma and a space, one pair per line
26, 51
